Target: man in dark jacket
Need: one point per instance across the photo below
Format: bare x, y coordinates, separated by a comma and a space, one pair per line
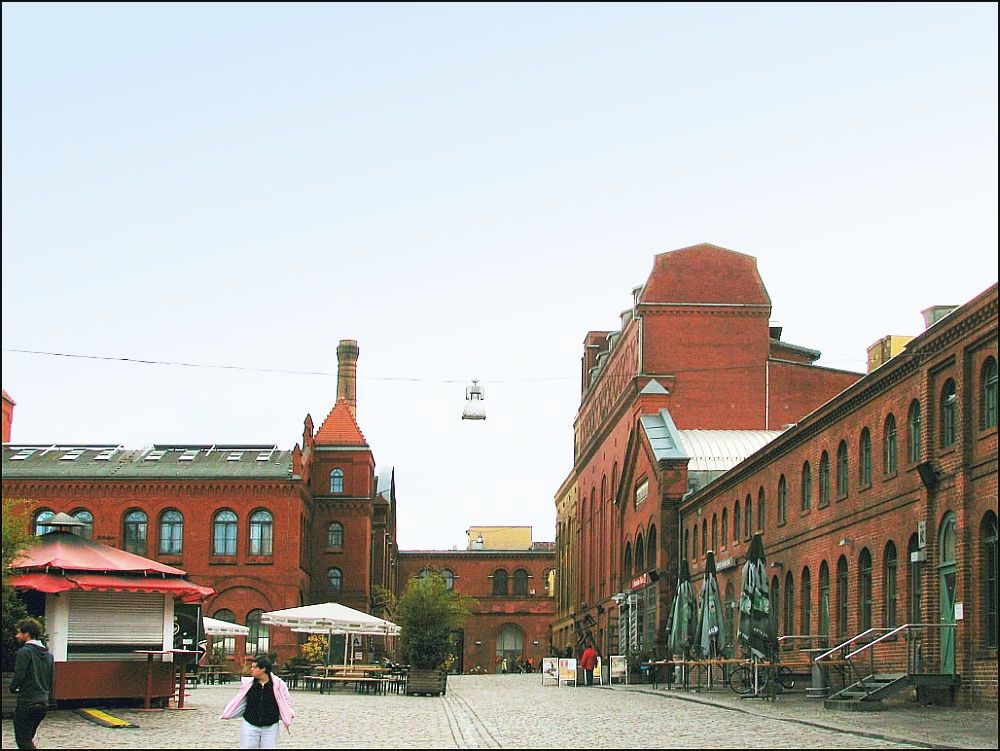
32, 682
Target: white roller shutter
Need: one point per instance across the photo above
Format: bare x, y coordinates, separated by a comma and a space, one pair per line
108, 625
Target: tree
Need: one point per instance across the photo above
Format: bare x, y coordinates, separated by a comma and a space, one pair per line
427, 614
16, 539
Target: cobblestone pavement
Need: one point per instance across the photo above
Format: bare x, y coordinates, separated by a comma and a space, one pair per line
516, 711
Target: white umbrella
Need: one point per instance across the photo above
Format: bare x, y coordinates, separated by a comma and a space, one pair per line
215, 627
330, 618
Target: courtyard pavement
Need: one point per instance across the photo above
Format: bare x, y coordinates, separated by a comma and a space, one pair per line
516, 711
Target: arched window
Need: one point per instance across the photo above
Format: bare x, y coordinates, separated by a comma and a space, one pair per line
914, 434
614, 480
782, 500
335, 535
224, 533
87, 520
842, 473
725, 527
449, 578
704, 536
805, 617
807, 487
988, 544
500, 588
775, 597
889, 445
694, 541
747, 518
889, 584
824, 480
640, 554
171, 532
842, 596
736, 521
259, 639
865, 590
41, 517
761, 516
824, 600
228, 642
949, 414
261, 533
335, 581
510, 646
627, 560
732, 614
337, 481
135, 532
651, 547
988, 394
520, 583
715, 532
913, 593
789, 612
865, 459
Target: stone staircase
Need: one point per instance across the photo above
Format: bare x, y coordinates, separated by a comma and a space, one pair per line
868, 693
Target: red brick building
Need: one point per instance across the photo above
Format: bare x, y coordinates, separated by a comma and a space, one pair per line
876, 495
695, 346
880, 508
514, 607
266, 528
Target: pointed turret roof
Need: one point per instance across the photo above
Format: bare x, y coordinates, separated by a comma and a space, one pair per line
340, 428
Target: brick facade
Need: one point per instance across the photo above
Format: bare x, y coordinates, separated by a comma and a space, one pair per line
527, 615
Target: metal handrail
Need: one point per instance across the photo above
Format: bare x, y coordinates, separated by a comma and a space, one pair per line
849, 641
907, 627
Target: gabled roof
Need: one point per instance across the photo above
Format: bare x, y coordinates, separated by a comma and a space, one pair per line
705, 450
340, 428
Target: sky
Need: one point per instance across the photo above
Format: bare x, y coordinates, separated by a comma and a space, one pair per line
466, 190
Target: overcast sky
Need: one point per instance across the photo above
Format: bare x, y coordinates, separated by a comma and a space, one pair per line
465, 190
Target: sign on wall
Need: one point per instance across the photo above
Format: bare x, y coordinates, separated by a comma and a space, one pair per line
619, 668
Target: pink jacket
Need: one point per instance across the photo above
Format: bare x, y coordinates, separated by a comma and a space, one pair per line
238, 705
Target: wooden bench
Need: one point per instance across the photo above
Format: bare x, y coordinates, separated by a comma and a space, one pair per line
362, 683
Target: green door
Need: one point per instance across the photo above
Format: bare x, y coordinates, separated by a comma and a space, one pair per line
947, 575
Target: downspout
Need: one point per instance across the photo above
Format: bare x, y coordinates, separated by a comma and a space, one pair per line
767, 393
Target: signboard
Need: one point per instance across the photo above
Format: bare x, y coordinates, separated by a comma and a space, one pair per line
550, 669
567, 670
599, 670
639, 582
619, 669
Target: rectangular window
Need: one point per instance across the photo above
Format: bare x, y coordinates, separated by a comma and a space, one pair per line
641, 491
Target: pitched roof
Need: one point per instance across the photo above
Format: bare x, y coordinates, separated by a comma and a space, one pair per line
340, 428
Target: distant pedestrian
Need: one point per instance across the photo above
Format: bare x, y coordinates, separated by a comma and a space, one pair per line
32, 682
588, 661
262, 701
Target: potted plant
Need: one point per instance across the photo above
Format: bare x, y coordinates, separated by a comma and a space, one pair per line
427, 614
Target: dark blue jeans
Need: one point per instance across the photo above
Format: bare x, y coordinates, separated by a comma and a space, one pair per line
27, 718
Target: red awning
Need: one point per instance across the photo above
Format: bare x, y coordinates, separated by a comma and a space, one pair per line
70, 552
53, 583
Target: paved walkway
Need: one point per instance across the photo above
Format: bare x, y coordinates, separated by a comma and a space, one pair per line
516, 711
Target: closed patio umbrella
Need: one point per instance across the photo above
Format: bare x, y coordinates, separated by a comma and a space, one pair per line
683, 623
711, 638
756, 629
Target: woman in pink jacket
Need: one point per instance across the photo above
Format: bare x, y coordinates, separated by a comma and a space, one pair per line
262, 701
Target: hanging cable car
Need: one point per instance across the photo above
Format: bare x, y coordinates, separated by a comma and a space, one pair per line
474, 407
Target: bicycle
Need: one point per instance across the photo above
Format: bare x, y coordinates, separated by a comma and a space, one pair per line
741, 679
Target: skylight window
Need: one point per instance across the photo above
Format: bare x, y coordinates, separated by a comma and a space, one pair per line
188, 456
25, 453
71, 455
234, 456
104, 456
155, 456
264, 456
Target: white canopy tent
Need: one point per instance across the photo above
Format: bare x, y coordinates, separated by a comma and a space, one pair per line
331, 618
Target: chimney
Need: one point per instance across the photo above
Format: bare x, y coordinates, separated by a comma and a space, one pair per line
347, 374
